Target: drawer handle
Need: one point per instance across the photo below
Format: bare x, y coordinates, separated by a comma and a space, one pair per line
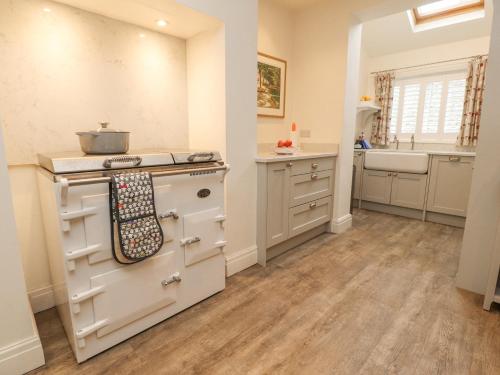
395, 174
314, 165
312, 205
289, 164
455, 158
189, 241
172, 214
175, 278
314, 176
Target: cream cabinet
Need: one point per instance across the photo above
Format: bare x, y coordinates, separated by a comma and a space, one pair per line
358, 164
294, 200
394, 188
450, 182
408, 190
278, 177
377, 186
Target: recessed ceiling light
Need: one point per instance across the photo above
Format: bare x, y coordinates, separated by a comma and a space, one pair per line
47, 10
162, 23
141, 35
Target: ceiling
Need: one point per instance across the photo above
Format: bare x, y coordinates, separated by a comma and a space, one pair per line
295, 4
183, 21
393, 34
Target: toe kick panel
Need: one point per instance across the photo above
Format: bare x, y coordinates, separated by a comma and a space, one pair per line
134, 291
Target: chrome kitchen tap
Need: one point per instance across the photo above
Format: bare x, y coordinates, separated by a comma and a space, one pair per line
413, 141
396, 141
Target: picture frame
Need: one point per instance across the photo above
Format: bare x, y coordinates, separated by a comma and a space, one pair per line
271, 86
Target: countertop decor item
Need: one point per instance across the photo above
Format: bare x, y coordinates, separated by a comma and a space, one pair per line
104, 140
271, 86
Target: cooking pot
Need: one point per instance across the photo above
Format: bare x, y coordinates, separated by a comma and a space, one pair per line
104, 140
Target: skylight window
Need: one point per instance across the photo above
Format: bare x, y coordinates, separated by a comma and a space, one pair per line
445, 12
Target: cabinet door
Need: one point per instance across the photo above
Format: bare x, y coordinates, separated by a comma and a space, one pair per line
408, 190
450, 182
377, 186
358, 163
278, 180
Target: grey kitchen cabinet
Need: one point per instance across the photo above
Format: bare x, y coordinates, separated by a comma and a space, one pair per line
309, 215
408, 190
449, 186
358, 164
394, 188
294, 201
278, 177
377, 186
307, 187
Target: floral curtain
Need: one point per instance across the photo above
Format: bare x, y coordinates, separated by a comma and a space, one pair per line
469, 130
384, 88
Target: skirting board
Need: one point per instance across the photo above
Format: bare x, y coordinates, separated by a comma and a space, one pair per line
42, 299
341, 224
21, 357
241, 260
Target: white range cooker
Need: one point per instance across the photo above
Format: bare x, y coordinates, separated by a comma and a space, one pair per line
102, 302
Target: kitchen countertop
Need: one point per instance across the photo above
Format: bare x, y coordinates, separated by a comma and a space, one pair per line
430, 152
271, 157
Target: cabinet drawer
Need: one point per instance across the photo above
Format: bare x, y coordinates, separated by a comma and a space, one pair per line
308, 216
307, 187
311, 165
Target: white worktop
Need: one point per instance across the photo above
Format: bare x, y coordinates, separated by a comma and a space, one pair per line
271, 157
430, 152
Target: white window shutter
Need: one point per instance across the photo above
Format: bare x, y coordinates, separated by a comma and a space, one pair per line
432, 107
454, 106
410, 108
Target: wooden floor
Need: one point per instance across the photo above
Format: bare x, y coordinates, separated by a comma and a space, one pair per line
379, 299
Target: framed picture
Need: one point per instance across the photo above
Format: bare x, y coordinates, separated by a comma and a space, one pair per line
271, 86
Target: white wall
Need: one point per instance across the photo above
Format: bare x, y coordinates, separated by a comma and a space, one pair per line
62, 72
240, 19
275, 38
484, 202
418, 56
20, 347
66, 70
206, 91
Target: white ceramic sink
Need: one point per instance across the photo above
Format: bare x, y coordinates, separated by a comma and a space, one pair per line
397, 161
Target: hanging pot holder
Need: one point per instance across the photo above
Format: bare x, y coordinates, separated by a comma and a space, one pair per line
136, 233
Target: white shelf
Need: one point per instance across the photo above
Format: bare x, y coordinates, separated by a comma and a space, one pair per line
368, 107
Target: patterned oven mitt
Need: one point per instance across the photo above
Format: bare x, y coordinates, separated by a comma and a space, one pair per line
136, 233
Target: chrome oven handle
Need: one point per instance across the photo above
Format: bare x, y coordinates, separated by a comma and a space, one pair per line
175, 278
207, 156
134, 160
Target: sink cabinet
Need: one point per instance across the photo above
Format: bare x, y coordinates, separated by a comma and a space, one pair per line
377, 186
408, 190
294, 203
450, 182
358, 163
394, 188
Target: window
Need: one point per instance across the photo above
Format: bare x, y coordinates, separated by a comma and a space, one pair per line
429, 107
444, 13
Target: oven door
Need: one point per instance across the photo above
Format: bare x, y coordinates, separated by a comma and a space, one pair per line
135, 291
203, 235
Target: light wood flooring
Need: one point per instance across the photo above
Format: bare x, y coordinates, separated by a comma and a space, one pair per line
379, 299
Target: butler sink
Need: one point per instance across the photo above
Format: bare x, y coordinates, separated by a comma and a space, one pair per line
397, 161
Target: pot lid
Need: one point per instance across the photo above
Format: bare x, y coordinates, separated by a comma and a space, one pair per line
103, 129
